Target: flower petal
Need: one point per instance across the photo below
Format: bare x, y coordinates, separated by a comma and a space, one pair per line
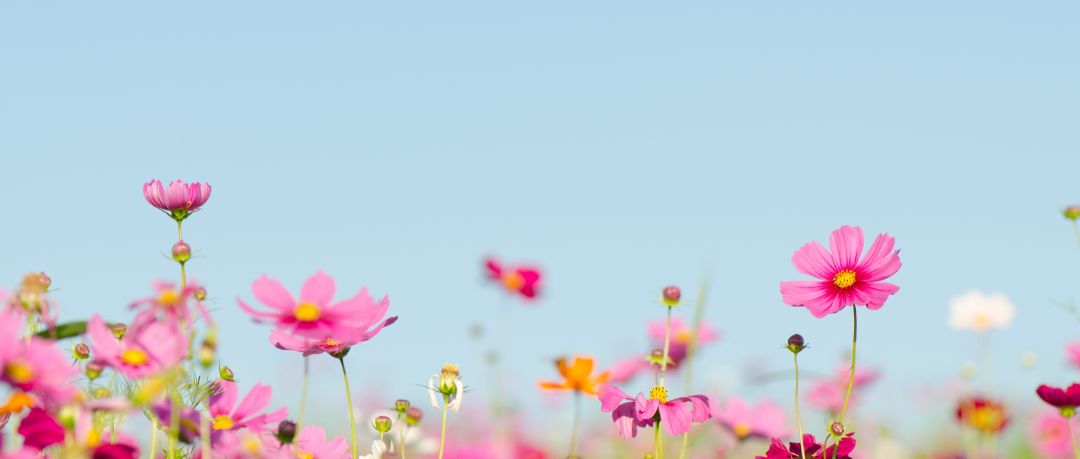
879, 263
318, 290
876, 294
813, 260
675, 418
457, 395
271, 293
431, 391
255, 400
846, 245
611, 397
625, 420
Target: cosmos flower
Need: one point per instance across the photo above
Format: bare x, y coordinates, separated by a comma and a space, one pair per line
149, 347
188, 420
179, 200
828, 394
681, 333
311, 444
813, 449
1065, 400
40, 429
522, 280
450, 386
1048, 435
33, 365
313, 316
763, 420
845, 279
576, 377
980, 312
982, 414
170, 302
674, 415
625, 369
244, 444
225, 414
342, 337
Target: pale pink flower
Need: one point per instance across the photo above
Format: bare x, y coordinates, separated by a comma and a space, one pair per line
34, 365
674, 415
763, 420
625, 369
171, 302
227, 415
311, 444
343, 337
1049, 434
845, 279
179, 200
681, 334
313, 316
150, 347
244, 444
827, 394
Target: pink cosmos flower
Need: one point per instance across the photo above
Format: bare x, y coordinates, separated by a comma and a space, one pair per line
225, 417
674, 415
40, 429
313, 316
179, 200
1049, 435
828, 394
523, 280
845, 279
244, 444
625, 369
680, 337
171, 302
813, 449
311, 444
763, 420
343, 337
149, 347
33, 365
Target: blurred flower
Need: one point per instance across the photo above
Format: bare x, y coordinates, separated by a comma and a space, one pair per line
1071, 212
1065, 400
351, 333
674, 415
813, 449
40, 429
245, 444
624, 370
1049, 435
313, 316
188, 420
33, 365
980, 312
982, 414
576, 377
17, 402
845, 279
149, 347
828, 394
681, 334
179, 200
170, 302
764, 420
32, 296
523, 280
1072, 351
378, 449
225, 414
450, 386
311, 444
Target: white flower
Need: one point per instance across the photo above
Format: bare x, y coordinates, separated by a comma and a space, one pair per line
449, 384
979, 312
378, 448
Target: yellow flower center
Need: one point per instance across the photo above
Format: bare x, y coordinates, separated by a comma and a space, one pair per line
988, 418
93, 438
658, 393
251, 443
222, 421
19, 372
513, 281
330, 342
133, 357
307, 312
982, 321
682, 336
304, 454
742, 430
844, 279
168, 298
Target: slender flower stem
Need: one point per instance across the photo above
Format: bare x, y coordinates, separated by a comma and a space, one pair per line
183, 278
1076, 231
174, 424
851, 383
179, 231
303, 395
656, 441
204, 429
401, 428
1076, 452
153, 434
667, 345
442, 440
659, 442
685, 440
577, 418
348, 395
798, 417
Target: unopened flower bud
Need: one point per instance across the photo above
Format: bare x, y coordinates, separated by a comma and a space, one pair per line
119, 330
672, 295
837, 429
94, 369
199, 293
45, 281
81, 351
1072, 212
657, 353
401, 406
413, 415
381, 424
206, 354
66, 416
796, 343
181, 252
226, 374
286, 431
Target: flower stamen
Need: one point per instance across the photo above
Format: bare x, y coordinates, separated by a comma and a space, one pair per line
307, 312
844, 279
658, 393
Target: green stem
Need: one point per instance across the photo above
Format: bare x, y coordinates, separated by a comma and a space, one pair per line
798, 417
577, 416
659, 442
401, 442
685, 440
667, 345
179, 231
183, 277
348, 395
153, 434
442, 440
1076, 231
204, 429
1076, 452
691, 348
174, 424
303, 395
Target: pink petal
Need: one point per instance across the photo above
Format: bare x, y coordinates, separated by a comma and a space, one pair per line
610, 397
287, 342
879, 263
154, 194
846, 245
278, 416
256, 314
176, 195
105, 343
675, 418
623, 370
223, 398
625, 420
816, 296
200, 194
271, 293
813, 260
701, 409
877, 293
318, 289
254, 401
646, 408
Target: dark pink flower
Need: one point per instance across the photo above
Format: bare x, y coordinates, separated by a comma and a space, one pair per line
179, 200
356, 332
40, 429
1060, 398
812, 448
845, 279
227, 415
149, 347
674, 415
313, 316
523, 279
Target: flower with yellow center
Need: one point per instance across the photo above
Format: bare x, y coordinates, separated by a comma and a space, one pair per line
168, 297
222, 422
301, 454
19, 372
742, 430
844, 279
134, 357
513, 280
307, 312
449, 385
658, 393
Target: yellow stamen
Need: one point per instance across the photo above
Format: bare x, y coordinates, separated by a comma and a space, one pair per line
844, 279
19, 372
222, 421
304, 454
330, 342
307, 312
742, 430
251, 443
513, 280
93, 438
659, 393
134, 357
168, 298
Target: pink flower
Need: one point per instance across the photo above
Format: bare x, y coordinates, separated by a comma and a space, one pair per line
40, 429
149, 347
343, 337
225, 417
244, 444
681, 333
1049, 435
624, 370
188, 420
674, 415
313, 317
520, 279
764, 420
180, 200
845, 279
828, 394
813, 449
311, 444
170, 302
33, 365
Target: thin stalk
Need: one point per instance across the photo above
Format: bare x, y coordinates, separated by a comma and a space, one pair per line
348, 395
442, 440
179, 231
174, 424
691, 348
685, 440
851, 382
1076, 452
656, 441
153, 434
798, 417
1076, 231
577, 419
401, 428
183, 277
303, 396
659, 442
667, 345
204, 429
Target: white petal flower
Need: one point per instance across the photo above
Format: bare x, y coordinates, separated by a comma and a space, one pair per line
431, 391
979, 312
378, 448
460, 390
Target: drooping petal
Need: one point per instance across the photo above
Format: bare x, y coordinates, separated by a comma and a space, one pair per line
287, 342
456, 403
544, 384
846, 245
675, 417
271, 293
610, 397
318, 289
625, 419
701, 408
813, 260
431, 391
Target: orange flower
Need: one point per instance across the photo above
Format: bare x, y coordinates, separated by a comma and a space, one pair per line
16, 403
577, 376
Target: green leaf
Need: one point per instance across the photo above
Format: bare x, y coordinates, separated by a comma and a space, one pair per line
62, 331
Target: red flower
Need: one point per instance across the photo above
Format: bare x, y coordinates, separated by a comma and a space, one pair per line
521, 279
40, 430
982, 414
1065, 400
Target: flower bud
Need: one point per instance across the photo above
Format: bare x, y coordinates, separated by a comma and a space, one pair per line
199, 293
66, 416
181, 252
286, 431
413, 415
657, 354
672, 295
401, 406
837, 429
382, 424
119, 330
226, 374
94, 369
206, 354
46, 282
1072, 212
796, 343
81, 351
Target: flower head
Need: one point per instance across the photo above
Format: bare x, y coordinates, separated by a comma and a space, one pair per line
794, 449
40, 429
225, 414
682, 334
188, 420
34, 365
449, 385
179, 200
845, 278
312, 444
523, 280
982, 414
1065, 400
341, 338
148, 348
170, 302
674, 415
764, 420
979, 312
1048, 435
578, 376
314, 316
1071, 212
671, 296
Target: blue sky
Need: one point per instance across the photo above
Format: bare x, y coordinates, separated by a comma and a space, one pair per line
623, 146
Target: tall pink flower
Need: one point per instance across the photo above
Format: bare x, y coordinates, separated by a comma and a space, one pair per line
681, 333
227, 415
674, 415
311, 444
624, 370
845, 279
313, 316
33, 365
149, 347
179, 200
372, 314
763, 420
522, 280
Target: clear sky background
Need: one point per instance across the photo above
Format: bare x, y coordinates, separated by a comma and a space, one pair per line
623, 146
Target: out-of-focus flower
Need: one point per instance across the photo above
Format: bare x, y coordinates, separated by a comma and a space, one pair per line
311, 444
170, 302
32, 296
671, 295
17, 402
845, 279
188, 420
523, 280
984, 415
828, 394
577, 377
33, 365
1072, 351
413, 416
150, 347
674, 415
1065, 400
378, 449
225, 414
813, 449
979, 312
356, 332
245, 444
450, 386
179, 200
313, 316
1049, 435
286, 432
763, 420
40, 429
681, 335
624, 370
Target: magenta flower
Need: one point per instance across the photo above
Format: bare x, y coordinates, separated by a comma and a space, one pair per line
40, 429
681, 333
227, 415
523, 280
180, 200
764, 420
313, 316
1063, 399
311, 444
674, 415
343, 337
149, 347
845, 279
244, 444
813, 449
33, 365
